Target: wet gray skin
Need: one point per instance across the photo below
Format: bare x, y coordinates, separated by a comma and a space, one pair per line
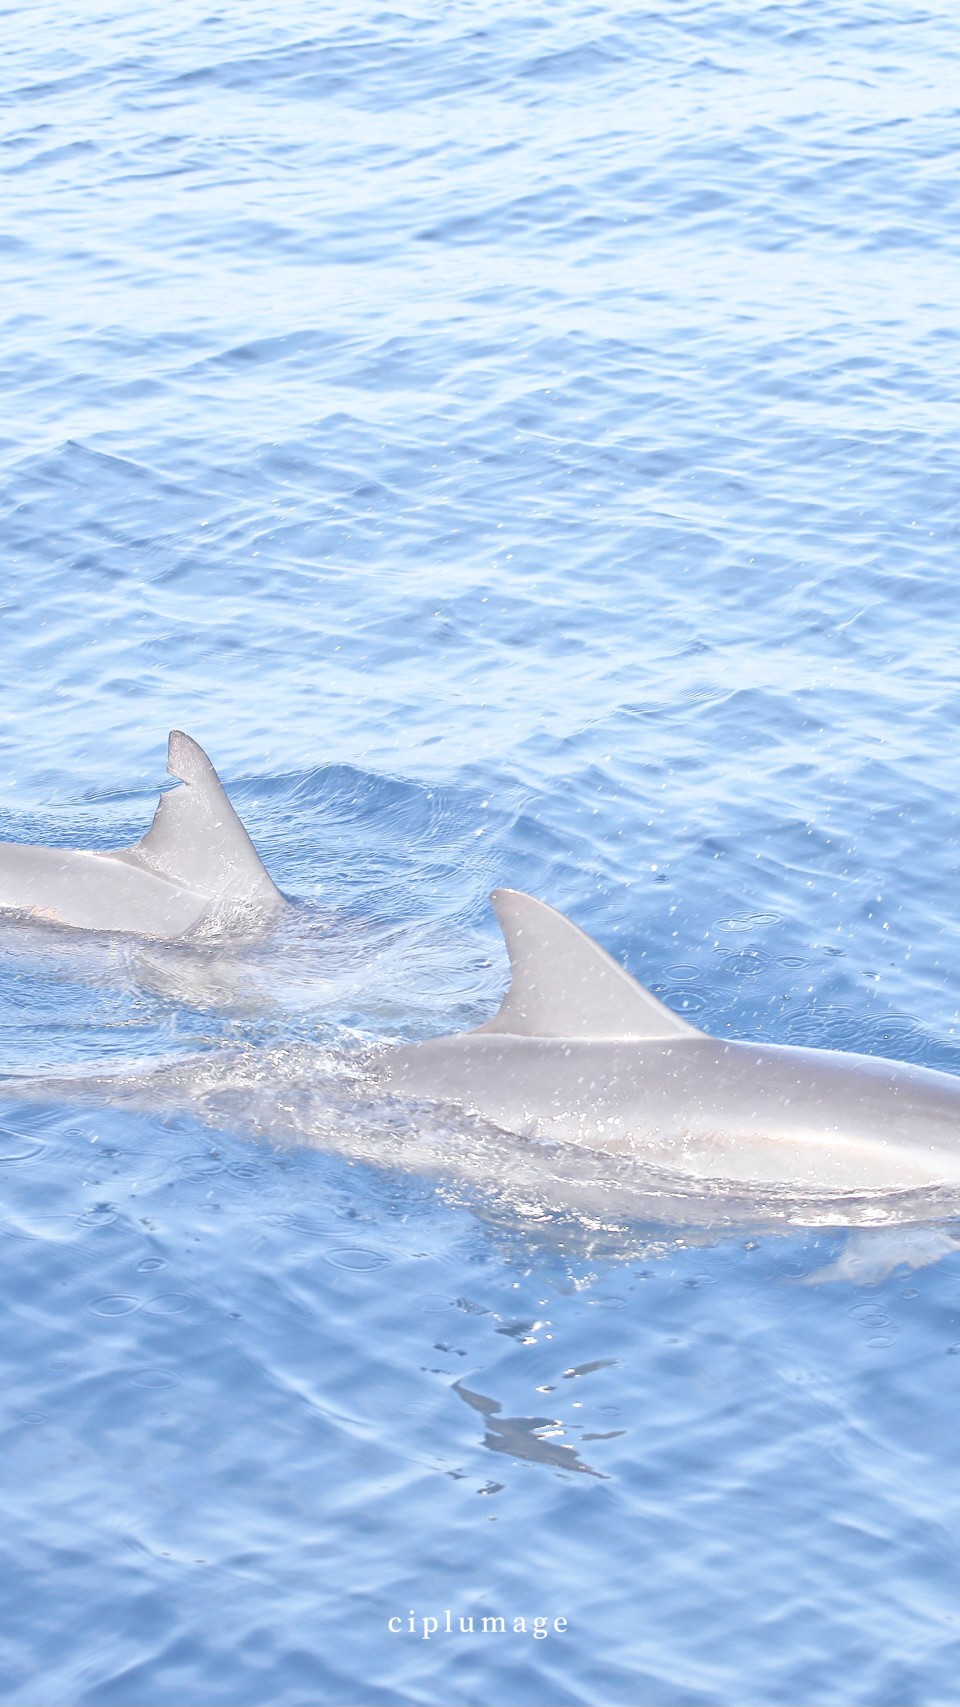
195, 860
585, 1098
582, 1054
579, 1053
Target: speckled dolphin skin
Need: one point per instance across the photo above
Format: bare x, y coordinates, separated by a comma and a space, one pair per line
195, 860
581, 1053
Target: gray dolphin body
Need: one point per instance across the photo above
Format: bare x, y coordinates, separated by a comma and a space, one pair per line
195, 860
581, 1053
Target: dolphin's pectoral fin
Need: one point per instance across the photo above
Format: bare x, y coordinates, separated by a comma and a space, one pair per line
565, 985
196, 839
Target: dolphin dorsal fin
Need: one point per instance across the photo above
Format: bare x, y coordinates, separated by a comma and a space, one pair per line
196, 838
565, 985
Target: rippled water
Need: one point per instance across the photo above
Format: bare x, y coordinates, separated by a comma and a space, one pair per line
520, 443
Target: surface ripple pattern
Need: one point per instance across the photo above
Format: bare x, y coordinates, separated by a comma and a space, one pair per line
520, 443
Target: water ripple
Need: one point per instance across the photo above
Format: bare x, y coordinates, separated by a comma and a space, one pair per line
521, 444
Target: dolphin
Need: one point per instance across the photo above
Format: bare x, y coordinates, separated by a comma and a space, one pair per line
579, 1053
588, 1113
196, 862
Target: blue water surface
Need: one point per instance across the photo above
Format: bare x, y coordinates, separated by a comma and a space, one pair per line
521, 443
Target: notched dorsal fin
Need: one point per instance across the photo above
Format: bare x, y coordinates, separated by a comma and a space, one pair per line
196, 838
564, 984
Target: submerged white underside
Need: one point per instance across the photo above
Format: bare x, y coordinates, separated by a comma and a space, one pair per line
815, 1162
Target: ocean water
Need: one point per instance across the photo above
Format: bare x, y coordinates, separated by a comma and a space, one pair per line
521, 443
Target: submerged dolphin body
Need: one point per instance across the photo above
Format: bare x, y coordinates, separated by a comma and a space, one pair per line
580, 1053
196, 860
589, 1114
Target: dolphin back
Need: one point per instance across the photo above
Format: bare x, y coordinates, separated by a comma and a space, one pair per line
196, 859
